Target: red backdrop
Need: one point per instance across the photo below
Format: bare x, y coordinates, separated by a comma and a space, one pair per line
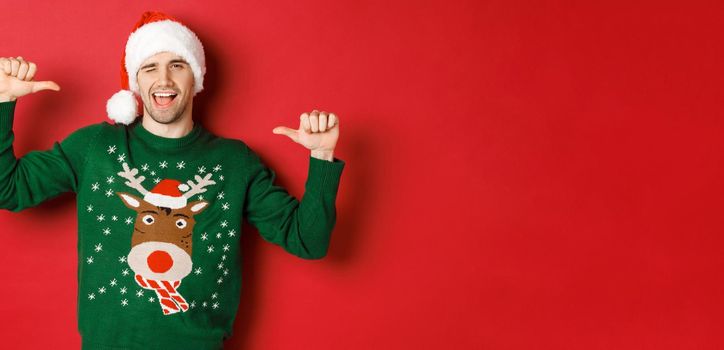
520, 174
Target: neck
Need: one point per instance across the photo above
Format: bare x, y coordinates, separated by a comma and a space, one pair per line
177, 129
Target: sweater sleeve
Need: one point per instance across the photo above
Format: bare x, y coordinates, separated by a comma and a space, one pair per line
301, 228
39, 175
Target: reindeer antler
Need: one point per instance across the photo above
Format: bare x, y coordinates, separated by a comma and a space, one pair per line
198, 187
133, 181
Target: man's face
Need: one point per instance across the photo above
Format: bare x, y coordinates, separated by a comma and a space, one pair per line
166, 85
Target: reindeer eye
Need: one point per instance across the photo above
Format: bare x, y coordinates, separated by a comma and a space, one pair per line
180, 223
148, 219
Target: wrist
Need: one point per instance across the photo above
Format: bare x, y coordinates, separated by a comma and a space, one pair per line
5, 98
323, 155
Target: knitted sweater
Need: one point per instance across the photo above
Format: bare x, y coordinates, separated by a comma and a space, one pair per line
159, 222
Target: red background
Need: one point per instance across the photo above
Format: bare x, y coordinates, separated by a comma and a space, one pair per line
520, 174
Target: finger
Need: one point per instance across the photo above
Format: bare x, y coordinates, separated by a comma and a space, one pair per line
323, 121
5, 65
332, 120
32, 68
314, 121
23, 70
305, 123
283, 130
44, 85
15, 65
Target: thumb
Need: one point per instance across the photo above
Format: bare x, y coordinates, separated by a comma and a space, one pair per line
283, 130
43, 85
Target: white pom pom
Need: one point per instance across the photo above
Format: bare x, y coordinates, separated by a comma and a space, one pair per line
122, 107
183, 187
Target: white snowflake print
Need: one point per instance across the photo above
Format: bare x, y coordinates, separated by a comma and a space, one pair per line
114, 218
223, 257
144, 167
232, 233
219, 280
98, 247
226, 247
226, 272
95, 186
113, 282
121, 158
202, 169
91, 296
110, 180
129, 220
153, 173
156, 180
89, 208
221, 177
220, 196
218, 235
225, 206
193, 304
100, 217
122, 259
89, 260
180, 165
213, 296
197, 271
163, 165
124, 290
139, 293
107, 231
216, 305
102, 290
210, 249
220, 265
224, 223
125, 272
151, 299
217, 167
109, 192
124, 302
203, 304
205, 236
201, 197
111, 149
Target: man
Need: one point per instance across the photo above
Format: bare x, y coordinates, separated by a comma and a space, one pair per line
161, 200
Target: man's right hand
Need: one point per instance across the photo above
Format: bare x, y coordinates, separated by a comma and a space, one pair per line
16, 79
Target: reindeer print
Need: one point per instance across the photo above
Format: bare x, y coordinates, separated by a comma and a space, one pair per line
161, 242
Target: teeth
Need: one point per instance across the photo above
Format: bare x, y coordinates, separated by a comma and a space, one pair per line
163, 94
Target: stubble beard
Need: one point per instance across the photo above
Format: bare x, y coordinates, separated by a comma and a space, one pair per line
168, 117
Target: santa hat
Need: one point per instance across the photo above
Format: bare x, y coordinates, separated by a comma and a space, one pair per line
154, 33
167, 193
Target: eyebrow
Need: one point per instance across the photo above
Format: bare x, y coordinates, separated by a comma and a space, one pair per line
177, 214
154, 64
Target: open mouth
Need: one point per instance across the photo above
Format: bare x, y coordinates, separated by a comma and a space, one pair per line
163, 99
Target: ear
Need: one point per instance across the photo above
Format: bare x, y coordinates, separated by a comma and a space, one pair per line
130, 200
198, 206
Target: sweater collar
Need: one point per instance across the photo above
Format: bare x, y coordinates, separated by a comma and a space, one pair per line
161, 142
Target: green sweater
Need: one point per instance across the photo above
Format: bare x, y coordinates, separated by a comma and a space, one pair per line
159, 222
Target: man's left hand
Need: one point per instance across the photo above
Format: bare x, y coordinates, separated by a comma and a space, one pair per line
318, 132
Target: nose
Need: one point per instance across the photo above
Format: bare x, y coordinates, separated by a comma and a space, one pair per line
159, 261
164, 77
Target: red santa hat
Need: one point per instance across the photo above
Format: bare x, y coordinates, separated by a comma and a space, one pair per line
155, 32
168, 193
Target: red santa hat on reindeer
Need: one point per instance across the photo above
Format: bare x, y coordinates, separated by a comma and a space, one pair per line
155, 32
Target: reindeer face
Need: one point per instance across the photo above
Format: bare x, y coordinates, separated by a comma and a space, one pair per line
154, 223
161, 242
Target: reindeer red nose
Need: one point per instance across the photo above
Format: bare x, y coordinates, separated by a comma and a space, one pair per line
159, 261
